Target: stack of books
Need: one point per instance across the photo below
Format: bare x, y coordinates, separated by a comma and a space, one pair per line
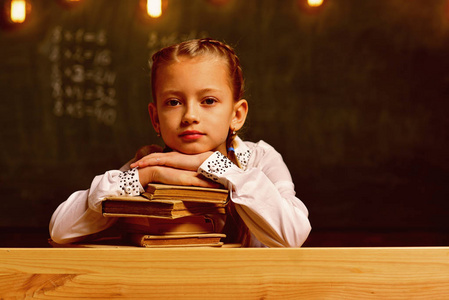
170, 215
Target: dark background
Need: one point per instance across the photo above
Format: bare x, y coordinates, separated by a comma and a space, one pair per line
354, 95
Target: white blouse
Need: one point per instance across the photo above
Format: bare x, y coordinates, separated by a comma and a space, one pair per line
263, 193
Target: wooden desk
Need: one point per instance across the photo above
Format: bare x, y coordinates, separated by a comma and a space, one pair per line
306, 273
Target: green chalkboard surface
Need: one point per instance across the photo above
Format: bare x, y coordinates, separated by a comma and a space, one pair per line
353, 95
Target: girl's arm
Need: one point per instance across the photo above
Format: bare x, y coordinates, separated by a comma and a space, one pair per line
80, 215
264, 193
74, 220
264, 196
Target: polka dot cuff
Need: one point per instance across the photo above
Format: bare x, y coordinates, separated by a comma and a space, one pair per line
243, 158
129, 184
215, 167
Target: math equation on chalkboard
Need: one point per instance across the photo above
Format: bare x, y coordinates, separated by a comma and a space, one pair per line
82, 78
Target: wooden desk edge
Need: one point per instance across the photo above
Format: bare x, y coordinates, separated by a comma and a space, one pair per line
244, 273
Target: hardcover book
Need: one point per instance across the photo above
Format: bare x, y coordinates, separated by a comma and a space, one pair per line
186, 193
190, 240
161, 226
138, 206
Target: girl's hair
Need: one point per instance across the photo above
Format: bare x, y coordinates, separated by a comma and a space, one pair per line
197, 48
212, 48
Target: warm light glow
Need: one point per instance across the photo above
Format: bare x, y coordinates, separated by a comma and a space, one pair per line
154, 8
314, 3
18, 11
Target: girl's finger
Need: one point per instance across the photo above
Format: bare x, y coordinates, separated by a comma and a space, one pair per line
173, 159
154, 159
147, 161
182, 177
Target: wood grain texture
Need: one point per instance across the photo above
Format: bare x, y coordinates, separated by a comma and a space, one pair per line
229, 273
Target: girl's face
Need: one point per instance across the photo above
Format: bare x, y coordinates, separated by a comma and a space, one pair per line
194, 107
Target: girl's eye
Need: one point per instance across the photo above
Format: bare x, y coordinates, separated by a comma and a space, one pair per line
173, 102
209, 101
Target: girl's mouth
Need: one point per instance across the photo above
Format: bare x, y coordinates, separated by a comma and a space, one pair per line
191, 135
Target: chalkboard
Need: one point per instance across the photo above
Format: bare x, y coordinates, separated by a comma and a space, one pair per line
353, 95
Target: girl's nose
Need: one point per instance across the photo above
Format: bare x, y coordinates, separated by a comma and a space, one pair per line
191, 115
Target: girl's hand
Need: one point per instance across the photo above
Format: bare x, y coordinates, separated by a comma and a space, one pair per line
174, 160
169, 175
173, 168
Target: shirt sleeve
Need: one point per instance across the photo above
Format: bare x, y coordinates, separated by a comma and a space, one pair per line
264, 196
81, 214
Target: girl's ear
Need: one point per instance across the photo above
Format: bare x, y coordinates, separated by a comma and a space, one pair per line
152, 109
240, 113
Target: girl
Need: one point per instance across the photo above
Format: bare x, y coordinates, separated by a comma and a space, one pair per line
197, 109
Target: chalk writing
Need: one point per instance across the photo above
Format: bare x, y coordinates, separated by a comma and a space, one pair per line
82, 79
